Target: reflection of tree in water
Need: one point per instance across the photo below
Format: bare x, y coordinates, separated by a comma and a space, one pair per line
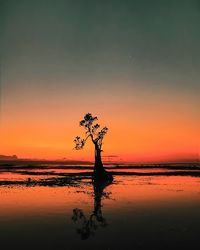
89, 225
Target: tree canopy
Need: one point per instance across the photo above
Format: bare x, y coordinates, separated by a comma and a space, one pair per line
92, 130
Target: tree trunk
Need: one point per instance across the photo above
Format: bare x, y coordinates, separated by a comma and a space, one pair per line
99, 172
98, 166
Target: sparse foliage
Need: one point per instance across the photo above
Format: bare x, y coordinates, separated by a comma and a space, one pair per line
93, 131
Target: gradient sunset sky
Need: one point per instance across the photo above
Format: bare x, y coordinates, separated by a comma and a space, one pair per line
135, 64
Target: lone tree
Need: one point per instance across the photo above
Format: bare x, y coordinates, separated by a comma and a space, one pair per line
93, 131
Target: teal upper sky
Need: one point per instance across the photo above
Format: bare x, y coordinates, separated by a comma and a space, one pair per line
62, 44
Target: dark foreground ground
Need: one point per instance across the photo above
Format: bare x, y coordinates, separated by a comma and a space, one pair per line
60, 173
57, 206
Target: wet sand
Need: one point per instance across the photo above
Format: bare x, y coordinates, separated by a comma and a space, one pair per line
45, 207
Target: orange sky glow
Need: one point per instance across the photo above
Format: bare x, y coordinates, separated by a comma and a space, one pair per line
143, 126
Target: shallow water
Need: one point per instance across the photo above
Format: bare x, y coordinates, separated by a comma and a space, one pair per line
134, 212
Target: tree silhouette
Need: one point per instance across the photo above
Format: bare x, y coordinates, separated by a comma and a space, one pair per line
88, 225
96, 134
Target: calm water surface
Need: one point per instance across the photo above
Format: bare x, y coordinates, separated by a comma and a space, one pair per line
134, 212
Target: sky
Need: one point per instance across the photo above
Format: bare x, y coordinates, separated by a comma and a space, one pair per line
134, 64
